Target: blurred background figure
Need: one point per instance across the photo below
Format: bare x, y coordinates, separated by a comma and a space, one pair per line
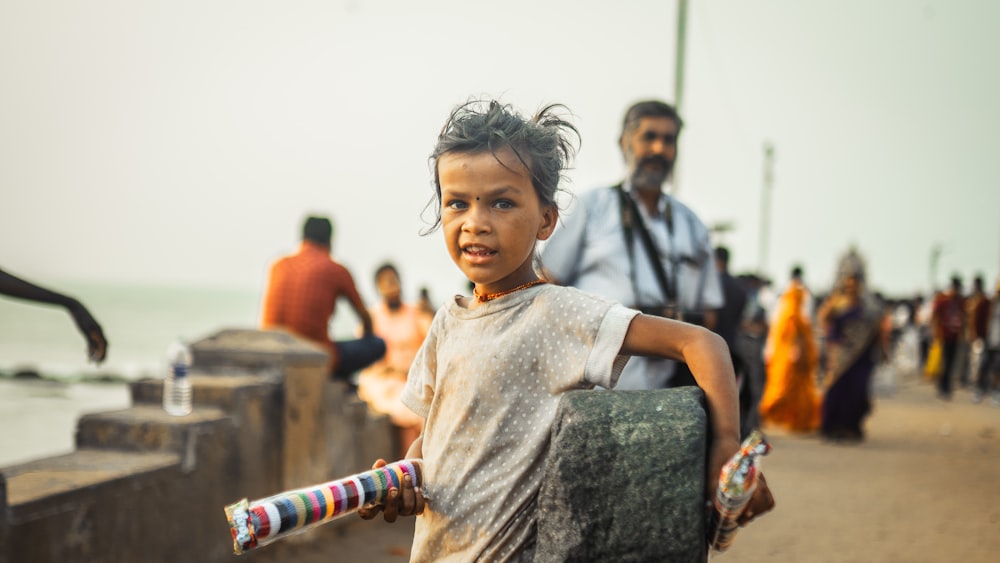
790, 398
853, 322
948, 321
403, 327
977, 312
97, 344
989, 364
728, 324
302, 294
637, 244
750, 342
424, 303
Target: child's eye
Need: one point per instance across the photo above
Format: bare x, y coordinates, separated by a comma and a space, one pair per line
456, 204
504, 204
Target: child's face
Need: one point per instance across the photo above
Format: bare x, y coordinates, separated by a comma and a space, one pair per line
491, 218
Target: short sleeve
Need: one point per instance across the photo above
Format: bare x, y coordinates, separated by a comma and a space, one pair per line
420, 381
606, 362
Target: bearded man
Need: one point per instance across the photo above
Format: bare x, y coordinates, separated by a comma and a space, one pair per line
637, 244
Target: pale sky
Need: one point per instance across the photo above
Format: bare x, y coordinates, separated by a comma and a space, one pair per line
184, 142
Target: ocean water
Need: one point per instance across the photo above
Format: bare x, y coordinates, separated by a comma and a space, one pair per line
44, 413
139, 322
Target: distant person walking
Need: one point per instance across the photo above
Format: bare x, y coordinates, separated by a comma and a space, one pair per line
853, 322
301, 297
977, 312
97, 344
791, 400
988, 379
948, 320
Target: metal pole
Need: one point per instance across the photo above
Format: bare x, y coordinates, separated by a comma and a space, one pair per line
765, 208
679, 65
679, 75
936, 250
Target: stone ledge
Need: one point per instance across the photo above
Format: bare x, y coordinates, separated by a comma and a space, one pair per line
149, 428
256, 349
224, 390
46, 480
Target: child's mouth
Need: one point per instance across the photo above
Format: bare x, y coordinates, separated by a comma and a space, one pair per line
478, 253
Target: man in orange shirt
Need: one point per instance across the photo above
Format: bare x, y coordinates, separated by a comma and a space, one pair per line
301, 298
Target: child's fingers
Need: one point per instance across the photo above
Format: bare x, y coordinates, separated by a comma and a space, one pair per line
409, 492
370, 511
413, 501
391, 509
420, 502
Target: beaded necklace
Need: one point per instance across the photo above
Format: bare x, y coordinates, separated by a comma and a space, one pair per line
491, 296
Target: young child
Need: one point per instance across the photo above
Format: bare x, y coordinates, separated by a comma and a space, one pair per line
489, 376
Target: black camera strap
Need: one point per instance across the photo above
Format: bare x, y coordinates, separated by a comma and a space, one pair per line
632, 220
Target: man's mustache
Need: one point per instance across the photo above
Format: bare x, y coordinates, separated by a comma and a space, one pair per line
656, 160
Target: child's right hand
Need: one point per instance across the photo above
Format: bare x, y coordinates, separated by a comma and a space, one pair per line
405, 501
760, 503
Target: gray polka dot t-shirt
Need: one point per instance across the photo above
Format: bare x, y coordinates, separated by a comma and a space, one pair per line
488, 381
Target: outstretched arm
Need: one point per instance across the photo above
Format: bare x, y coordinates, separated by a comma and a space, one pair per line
708, 357
97, 345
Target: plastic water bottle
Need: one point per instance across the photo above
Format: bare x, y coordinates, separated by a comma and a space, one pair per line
176, 383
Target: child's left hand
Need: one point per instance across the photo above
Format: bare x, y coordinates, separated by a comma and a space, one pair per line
405, 501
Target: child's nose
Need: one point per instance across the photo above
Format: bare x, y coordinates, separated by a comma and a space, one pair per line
477, 219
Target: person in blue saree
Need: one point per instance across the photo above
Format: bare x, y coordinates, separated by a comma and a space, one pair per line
852, 321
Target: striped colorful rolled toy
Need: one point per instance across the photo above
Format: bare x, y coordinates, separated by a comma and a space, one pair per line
263, 521
737, 482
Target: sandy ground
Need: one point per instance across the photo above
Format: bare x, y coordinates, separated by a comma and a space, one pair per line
922, 488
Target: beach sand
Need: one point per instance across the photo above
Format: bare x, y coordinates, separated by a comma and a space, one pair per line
919, 489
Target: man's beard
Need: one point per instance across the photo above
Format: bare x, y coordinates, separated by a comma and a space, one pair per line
651, 177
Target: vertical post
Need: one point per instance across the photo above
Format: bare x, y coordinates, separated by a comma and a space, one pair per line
679, 64
679, 73
765, 208
936, 251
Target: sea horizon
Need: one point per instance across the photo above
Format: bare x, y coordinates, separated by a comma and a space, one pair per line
139, 320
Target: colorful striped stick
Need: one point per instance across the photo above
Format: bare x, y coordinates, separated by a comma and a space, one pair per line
263, 521
737, 482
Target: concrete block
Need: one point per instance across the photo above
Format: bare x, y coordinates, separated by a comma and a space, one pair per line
625, 478
97, 506
256, 350
149, 428
254, 402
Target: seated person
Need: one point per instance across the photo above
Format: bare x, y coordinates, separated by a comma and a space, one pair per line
301, 298
403, 327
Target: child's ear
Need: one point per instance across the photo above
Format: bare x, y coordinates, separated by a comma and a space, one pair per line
550, 215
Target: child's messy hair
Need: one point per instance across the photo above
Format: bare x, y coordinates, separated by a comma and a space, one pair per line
541, 143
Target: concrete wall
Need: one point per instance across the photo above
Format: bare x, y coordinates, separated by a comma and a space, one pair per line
145, 486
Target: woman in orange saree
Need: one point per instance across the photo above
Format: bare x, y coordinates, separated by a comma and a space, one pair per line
791, 400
